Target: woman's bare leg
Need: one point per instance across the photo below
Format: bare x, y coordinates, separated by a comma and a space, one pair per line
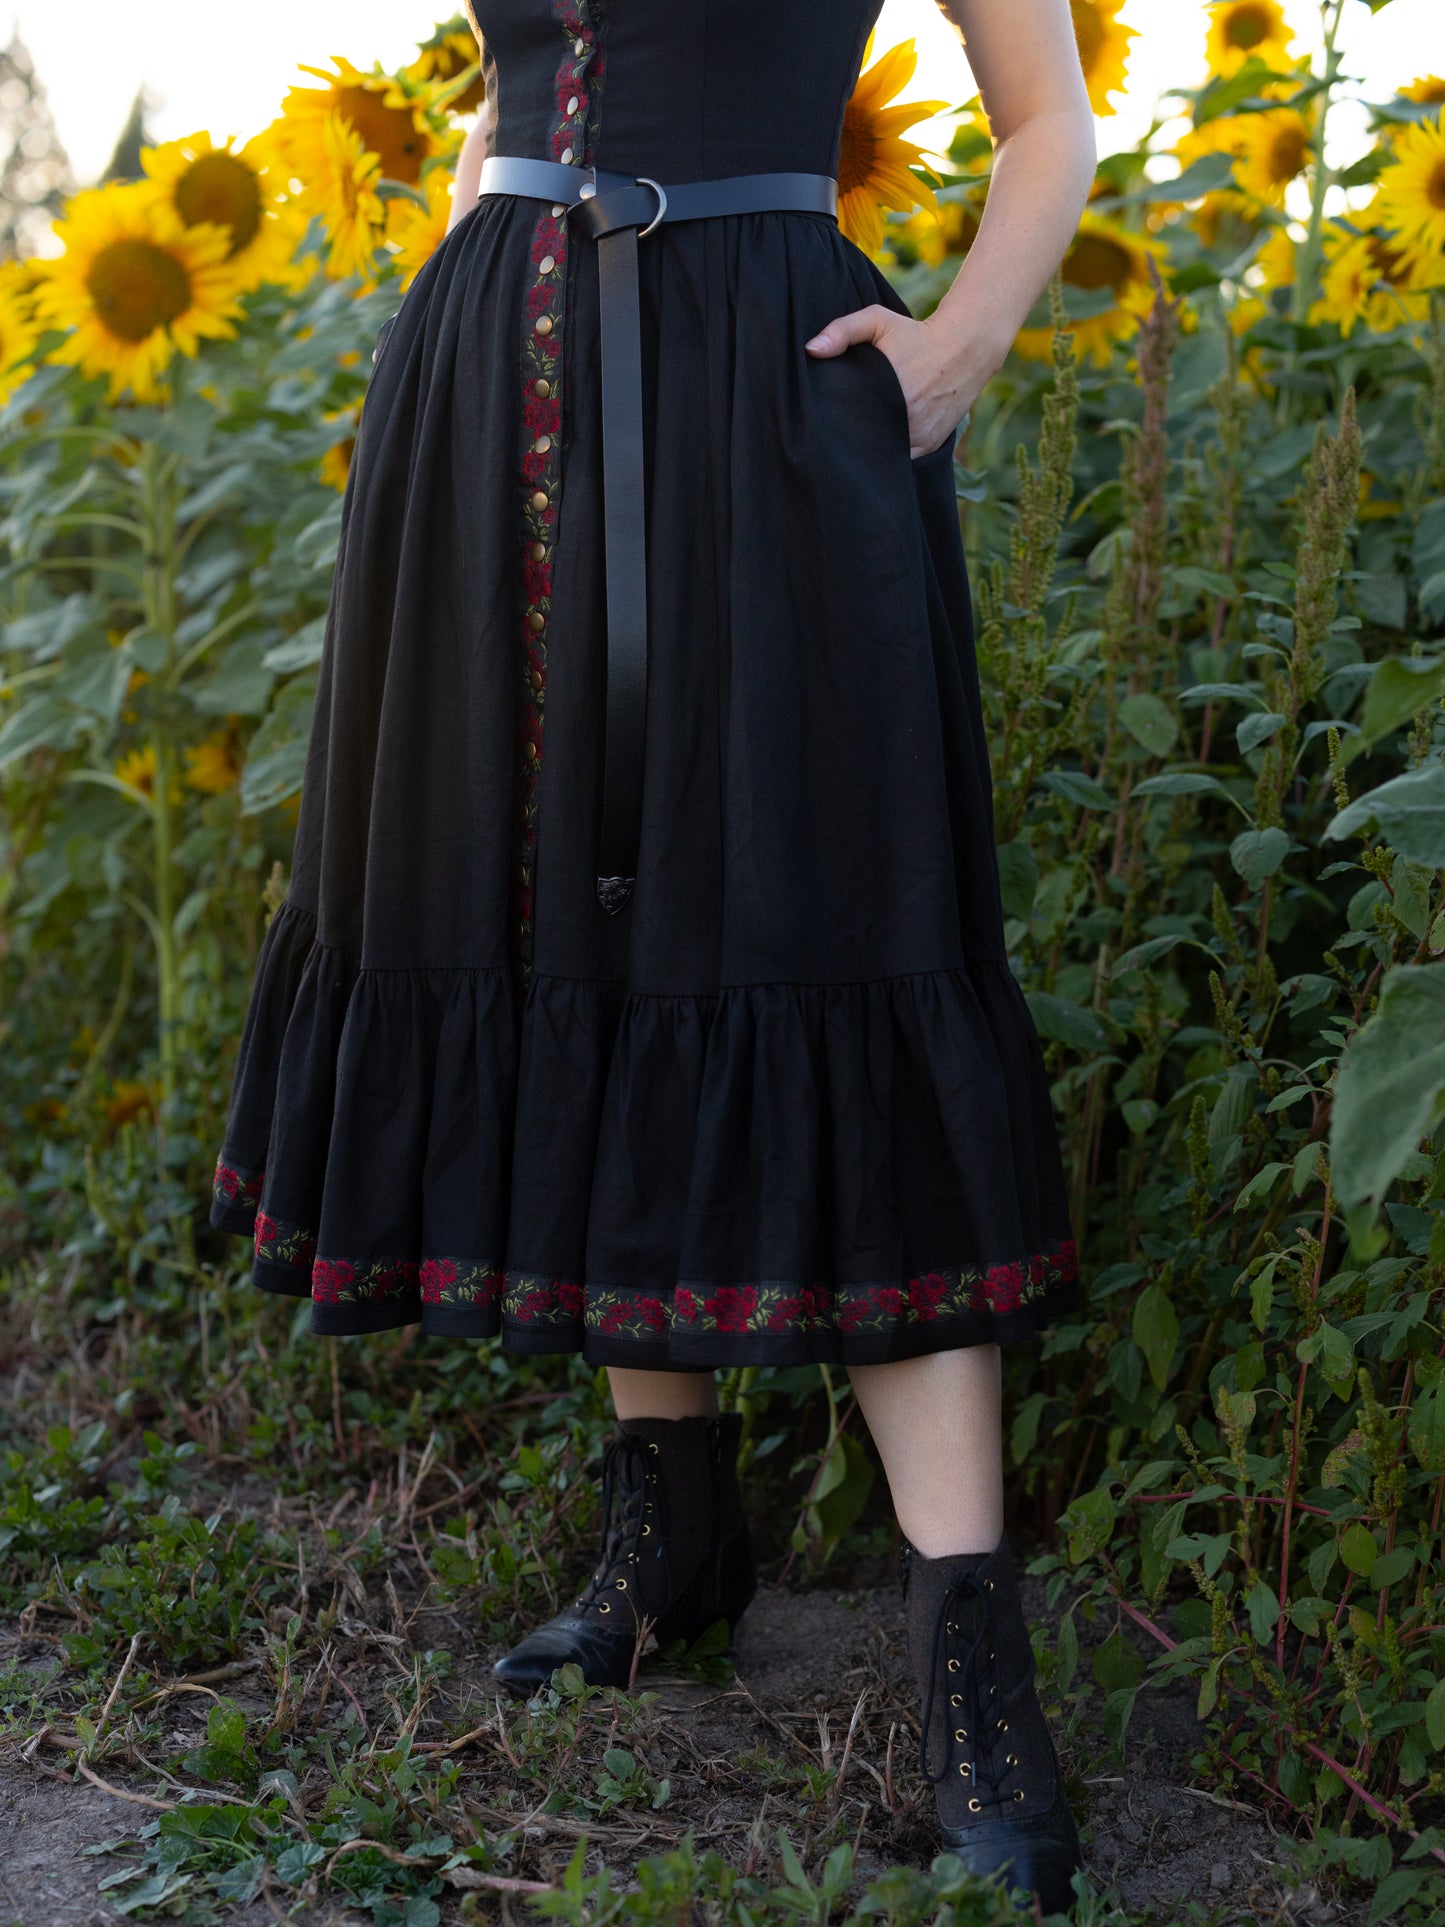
936, 1421
638, 1394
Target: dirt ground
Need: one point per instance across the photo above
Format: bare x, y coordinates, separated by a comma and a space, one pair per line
809, 1664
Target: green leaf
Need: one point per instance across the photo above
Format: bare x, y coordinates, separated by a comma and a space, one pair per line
1150, 722
1066, 1023
1399, 689
39, 724
1435, 1716
1156, 1332
1257, 854
1089, 1521
1261, 1291
1067, 1649
1075, 787
1358, 1549
1018, 875
1143, 953
1258, 729
1408, 812
1263, 1609
1390, 1088
1427, 1427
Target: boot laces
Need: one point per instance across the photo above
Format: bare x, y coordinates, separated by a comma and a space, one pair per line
631, 1490
968, 1595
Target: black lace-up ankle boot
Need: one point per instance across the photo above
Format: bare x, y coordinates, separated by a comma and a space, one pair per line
986, 1745
675, 1549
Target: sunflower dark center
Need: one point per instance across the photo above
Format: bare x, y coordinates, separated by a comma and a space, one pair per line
221, 188
1435, 186
1287, 153
857, 150
1094, 261
387, 131
138, 287
1248, 27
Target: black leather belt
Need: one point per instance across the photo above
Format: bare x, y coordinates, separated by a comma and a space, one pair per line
616, 210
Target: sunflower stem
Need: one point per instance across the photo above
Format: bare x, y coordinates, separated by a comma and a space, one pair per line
1308, 266
158, 518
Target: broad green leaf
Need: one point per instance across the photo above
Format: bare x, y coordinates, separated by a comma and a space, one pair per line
1358, 1549
1150, 722
1066, 1023
1156, 1332
1427, 1427
1399, 689
1075, 787
1390, 1089
42, 723
1018, 875
1409, 813
1263, 1608
1257, 854
1258, 729
1435, 1716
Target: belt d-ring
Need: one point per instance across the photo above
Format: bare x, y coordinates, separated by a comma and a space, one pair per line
617, 210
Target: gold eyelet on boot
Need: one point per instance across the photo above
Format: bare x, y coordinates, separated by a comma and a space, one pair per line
621, 1584
960, 1732
652, 1445
1012, 1758
963, 1768
1018, 1793
646, 1530
955, 1699
975, 1807
987, 1582
1003, 1726
953, 1666
604, 1607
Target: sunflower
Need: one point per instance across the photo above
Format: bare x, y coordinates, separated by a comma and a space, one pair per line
1368, 277
450, 51
419, 231
1411, 197
134, 286
138, 768
1273, 148
128, 1101
232, 189
354, 213
19, 330
1241, 30
874, 160
1427, 91
1103, 255
1103, 49
214, 766
336, 462
390, 123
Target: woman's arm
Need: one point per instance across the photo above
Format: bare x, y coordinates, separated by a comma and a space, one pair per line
469, 167
1026, 62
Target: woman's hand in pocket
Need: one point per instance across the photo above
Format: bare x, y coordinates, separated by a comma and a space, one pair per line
940, 383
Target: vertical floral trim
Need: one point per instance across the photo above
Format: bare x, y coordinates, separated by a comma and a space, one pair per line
231, 1187
577, 84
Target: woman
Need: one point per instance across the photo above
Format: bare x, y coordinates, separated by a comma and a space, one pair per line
641, 987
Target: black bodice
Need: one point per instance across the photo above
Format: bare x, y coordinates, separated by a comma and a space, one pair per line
677, 89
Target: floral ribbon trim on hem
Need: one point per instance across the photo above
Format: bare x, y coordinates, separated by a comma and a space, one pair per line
231, 1187
620, 1311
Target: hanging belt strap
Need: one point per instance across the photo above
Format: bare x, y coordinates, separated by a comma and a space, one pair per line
616, 210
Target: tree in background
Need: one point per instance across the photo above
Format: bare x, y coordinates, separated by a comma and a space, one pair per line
35, 176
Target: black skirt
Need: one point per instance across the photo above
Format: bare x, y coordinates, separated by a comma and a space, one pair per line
788, 1105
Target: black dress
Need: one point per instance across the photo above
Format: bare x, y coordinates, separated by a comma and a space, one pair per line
789, 1105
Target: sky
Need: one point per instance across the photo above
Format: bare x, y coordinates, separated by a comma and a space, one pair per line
204, 70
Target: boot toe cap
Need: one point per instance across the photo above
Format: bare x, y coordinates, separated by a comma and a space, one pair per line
1040, 1859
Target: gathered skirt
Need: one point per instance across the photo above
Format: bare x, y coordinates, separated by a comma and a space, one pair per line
789, 1105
